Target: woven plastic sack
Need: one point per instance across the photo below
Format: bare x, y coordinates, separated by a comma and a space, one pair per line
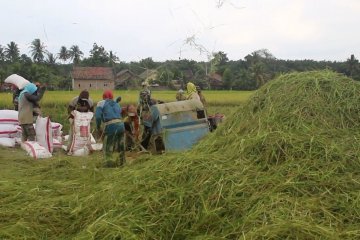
81, 136
44, 132
35, 150
9, 117
17, 80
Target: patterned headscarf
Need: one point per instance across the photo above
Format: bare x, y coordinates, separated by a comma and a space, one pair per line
190, 87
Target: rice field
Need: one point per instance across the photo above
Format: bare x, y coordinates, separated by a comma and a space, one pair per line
284, 165
54, 103
215, 98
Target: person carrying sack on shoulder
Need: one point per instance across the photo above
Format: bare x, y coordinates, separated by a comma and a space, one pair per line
108, 112
27, 102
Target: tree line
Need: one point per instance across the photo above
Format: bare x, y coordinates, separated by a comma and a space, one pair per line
249, 73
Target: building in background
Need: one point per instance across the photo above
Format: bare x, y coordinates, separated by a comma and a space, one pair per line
215, 81
93, 78
126, 79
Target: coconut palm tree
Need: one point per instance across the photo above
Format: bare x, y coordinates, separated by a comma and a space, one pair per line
50, 59
38, 50
75, 54
64, 54
12, 52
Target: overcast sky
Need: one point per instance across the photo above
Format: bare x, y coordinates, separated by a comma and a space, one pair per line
191, 29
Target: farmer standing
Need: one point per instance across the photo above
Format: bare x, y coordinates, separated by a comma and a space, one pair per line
143, 111
27, 101
191, 91
109, 112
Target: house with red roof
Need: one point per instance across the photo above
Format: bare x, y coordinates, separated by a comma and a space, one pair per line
93, 78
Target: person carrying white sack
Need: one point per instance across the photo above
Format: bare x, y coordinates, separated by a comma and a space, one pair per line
28, 103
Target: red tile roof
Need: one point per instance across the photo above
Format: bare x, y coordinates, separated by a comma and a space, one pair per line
93, 73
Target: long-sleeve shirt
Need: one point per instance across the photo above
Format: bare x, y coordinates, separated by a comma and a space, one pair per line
81, 105
26, 108
107, 110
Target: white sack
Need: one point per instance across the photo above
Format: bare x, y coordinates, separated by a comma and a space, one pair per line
66, 138
56, 129
44, 133
17, 80
9, 117
56, 143
96, 146
93, 141
7, 142
9, 131
35, 150
81, 152
81, 131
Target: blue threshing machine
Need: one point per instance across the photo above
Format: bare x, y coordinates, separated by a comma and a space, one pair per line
178, 125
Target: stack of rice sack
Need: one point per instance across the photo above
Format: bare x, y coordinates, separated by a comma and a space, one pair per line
46, 132
10, 131
43, 146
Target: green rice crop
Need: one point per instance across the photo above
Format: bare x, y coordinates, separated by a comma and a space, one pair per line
54, 103
215, 98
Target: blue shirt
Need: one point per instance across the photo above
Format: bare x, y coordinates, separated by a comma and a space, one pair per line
107, 110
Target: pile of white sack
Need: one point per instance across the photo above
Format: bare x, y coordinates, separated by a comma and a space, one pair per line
49, 134
10, 131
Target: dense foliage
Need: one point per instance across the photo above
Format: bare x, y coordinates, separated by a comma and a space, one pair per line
249, 73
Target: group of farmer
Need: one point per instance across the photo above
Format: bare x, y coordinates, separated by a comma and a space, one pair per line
113, 123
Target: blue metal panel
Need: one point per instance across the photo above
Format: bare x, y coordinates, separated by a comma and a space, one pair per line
178, 118
182, 138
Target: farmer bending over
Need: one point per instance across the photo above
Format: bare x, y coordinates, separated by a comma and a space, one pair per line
109, 113
131, 124
81, 103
